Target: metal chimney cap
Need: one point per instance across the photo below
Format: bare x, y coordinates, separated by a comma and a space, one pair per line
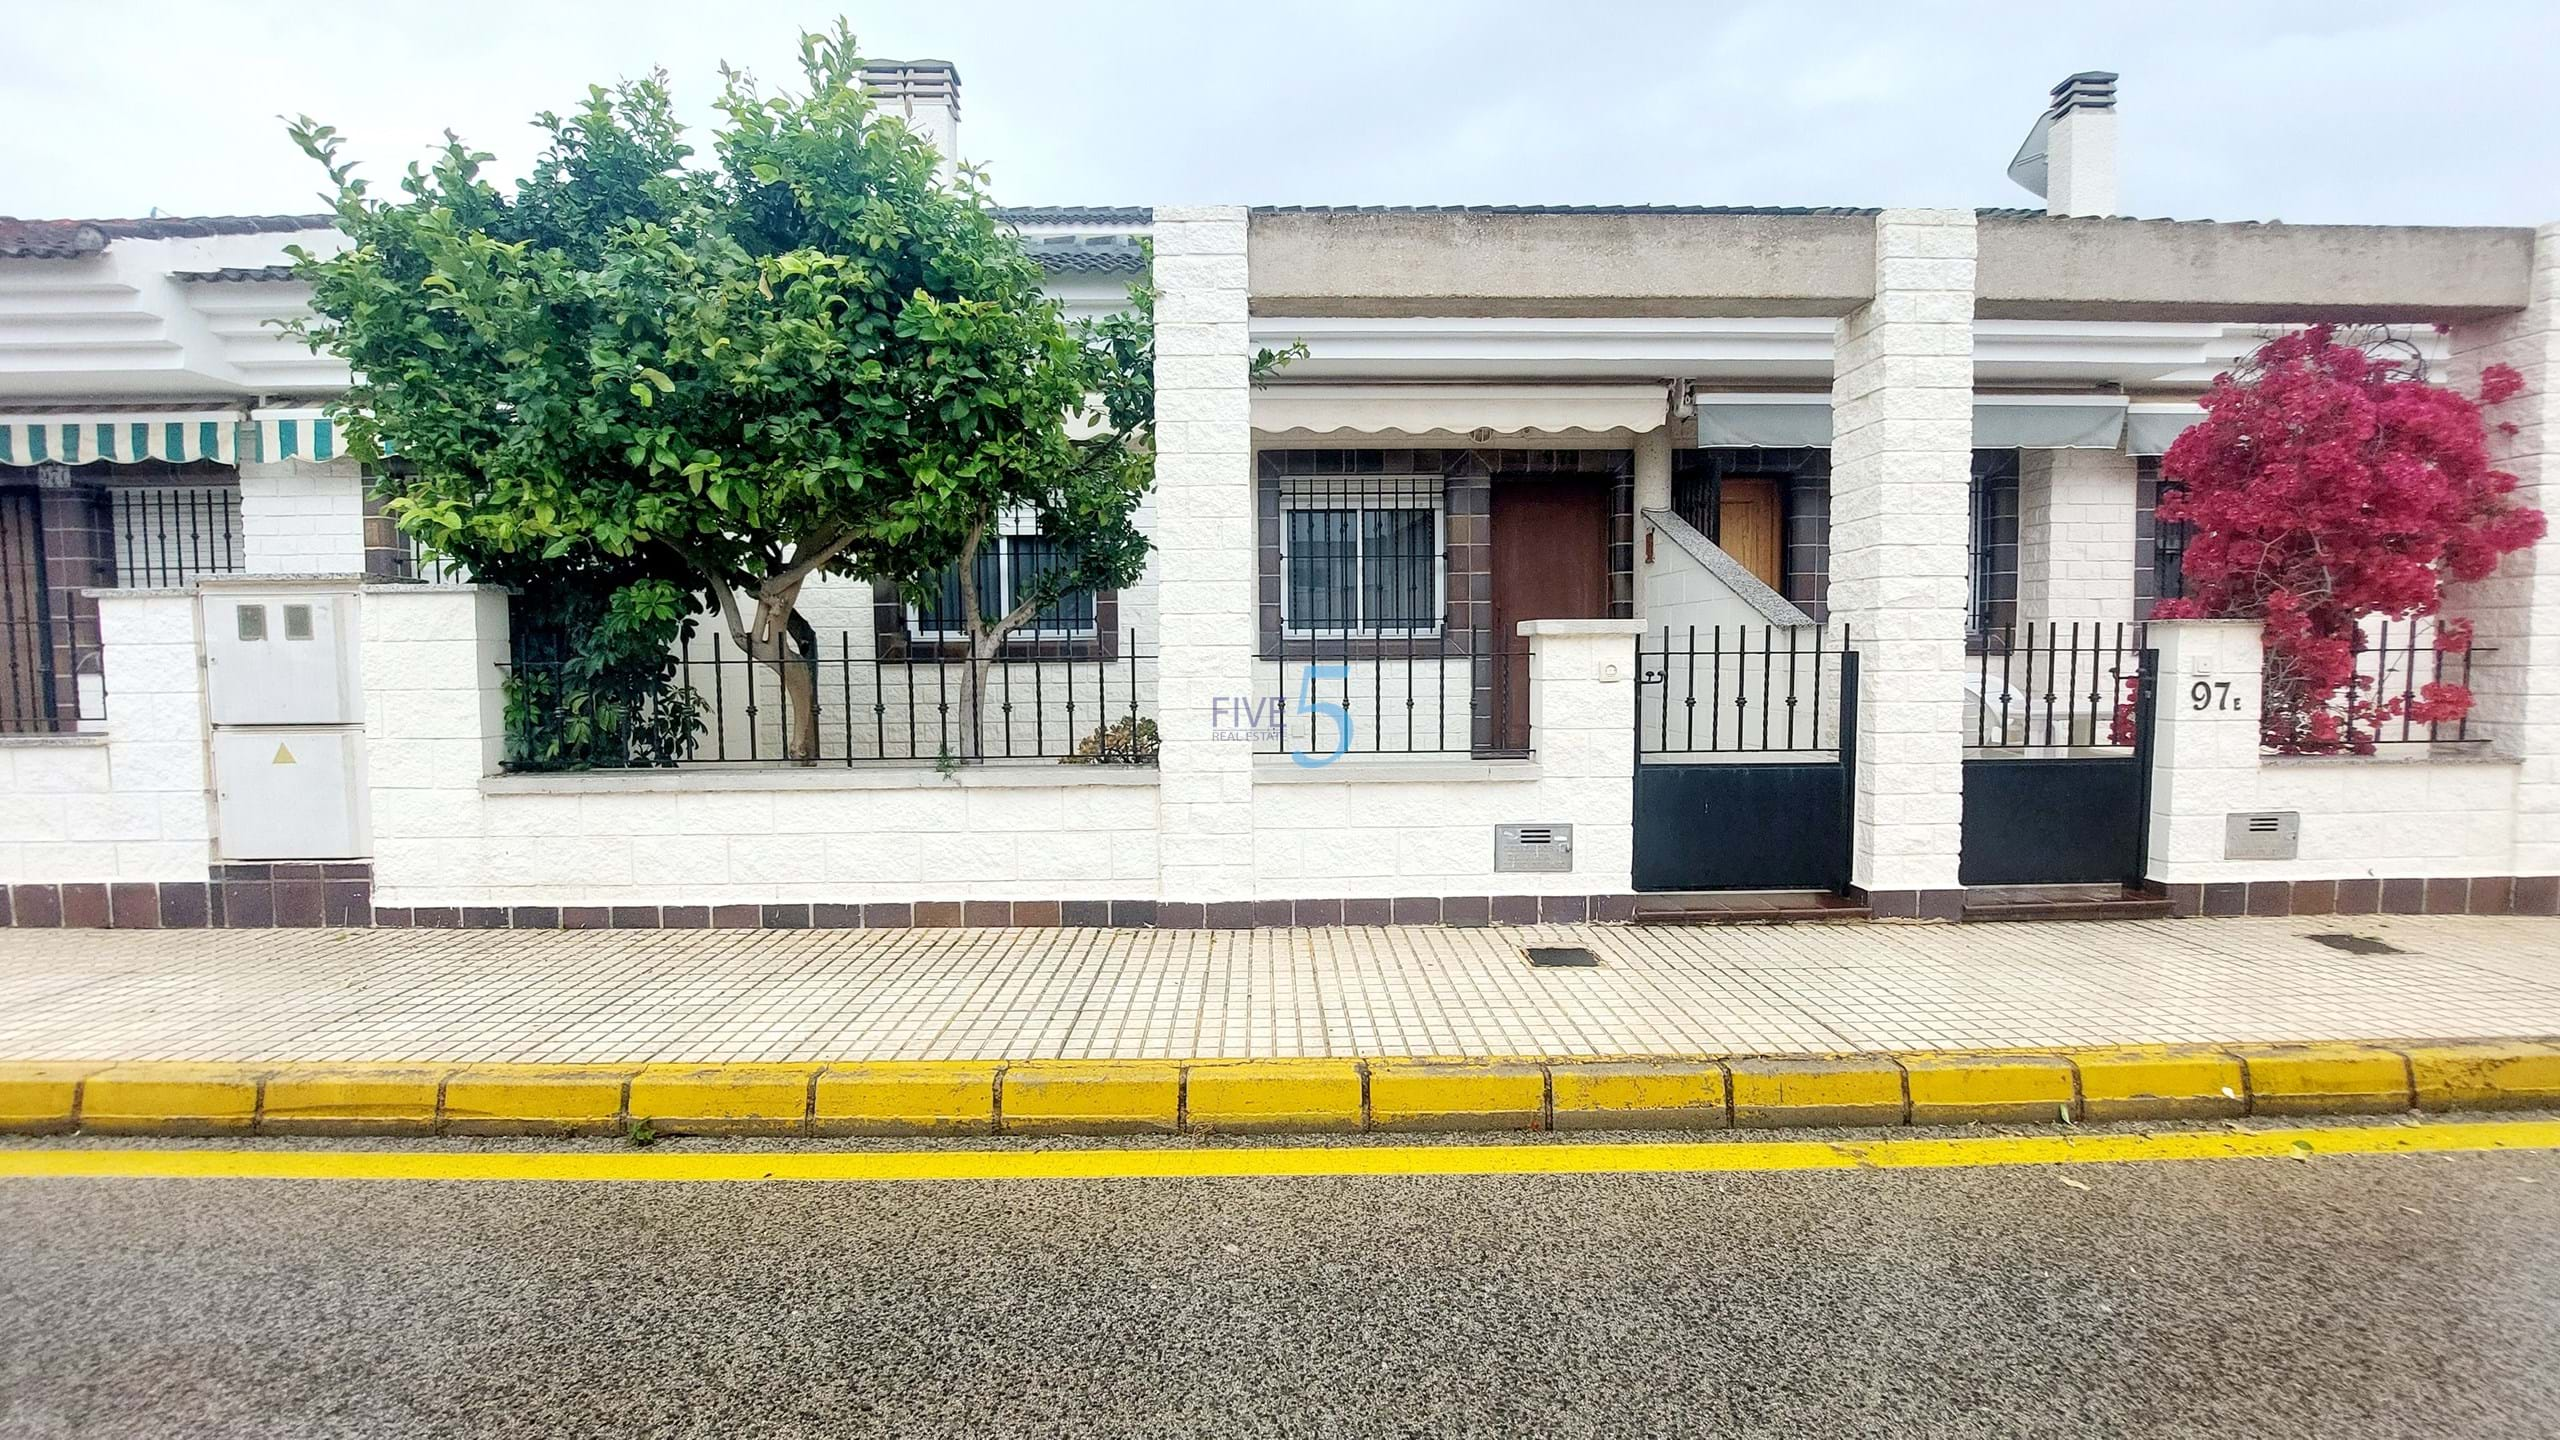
2088, 90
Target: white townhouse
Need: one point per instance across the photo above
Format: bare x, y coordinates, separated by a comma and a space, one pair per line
1656, 562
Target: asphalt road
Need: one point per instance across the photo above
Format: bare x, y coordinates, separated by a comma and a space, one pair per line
2368, 1297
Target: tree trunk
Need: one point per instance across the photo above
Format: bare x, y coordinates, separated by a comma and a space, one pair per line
770, 643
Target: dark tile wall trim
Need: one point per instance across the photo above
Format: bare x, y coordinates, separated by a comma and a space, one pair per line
2436, 895
268, 896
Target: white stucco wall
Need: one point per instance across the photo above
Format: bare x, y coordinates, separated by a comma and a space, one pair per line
128, 800
1388, 826
2385, 816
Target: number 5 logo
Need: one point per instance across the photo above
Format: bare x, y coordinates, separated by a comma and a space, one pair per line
1308, 704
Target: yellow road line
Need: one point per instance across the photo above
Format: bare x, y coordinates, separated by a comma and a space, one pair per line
1603, 1158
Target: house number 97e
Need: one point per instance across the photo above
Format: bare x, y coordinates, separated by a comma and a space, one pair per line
2214, 695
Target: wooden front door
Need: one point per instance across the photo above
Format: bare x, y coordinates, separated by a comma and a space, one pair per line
1747, 527
1550, 562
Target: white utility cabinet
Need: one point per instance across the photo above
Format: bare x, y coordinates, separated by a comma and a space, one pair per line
283, 692
280, 657
291, 793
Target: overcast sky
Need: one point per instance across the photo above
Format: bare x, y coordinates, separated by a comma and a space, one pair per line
2236, 109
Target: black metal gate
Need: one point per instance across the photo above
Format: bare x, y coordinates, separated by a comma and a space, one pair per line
1746, 758
2057, 779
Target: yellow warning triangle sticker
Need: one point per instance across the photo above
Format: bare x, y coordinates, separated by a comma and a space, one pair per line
283, 756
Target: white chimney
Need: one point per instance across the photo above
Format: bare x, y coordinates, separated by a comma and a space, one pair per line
926, 95
2069, 158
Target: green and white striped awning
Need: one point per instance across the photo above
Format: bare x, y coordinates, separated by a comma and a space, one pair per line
309, 434
119, 437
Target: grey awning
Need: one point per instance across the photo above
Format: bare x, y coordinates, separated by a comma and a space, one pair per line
1776, 422
2040, 422
2007, 422
2148, 429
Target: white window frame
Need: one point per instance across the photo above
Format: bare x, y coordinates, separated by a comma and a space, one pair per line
1359, 494
1019, 525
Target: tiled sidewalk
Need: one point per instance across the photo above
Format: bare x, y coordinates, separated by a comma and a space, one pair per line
484, 996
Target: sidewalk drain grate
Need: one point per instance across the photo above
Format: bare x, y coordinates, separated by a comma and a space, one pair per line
1552, 956
2357, 944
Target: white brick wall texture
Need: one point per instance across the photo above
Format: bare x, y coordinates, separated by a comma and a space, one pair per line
1901, 467
2517, 610
2379, 817
2075, 536
1353, 829
301, 517
129, 803
1204, 560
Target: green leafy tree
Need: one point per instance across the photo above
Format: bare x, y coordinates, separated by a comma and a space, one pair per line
811, 355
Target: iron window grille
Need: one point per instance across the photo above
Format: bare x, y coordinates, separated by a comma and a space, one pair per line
173, 535
1008, 565
1363, 557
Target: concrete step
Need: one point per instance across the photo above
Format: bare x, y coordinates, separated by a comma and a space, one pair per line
1745, 907
2062, 902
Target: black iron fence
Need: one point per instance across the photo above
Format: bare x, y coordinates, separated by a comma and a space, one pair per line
1326, 696
844, 704
1736, 689
2062, 684
2398, 695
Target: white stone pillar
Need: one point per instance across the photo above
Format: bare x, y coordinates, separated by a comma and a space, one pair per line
2075, 536
435, 724
2204, 744
1204, 558
2517, 610
1582, 698
302, 517
1901, 468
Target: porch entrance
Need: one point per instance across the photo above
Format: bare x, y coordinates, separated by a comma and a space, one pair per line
2057, 769
1748, 526
1550, 562
1746, 758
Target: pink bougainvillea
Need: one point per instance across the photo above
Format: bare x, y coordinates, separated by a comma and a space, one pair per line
2329, 483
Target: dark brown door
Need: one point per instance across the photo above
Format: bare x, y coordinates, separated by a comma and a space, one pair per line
1550, 562
1747, 526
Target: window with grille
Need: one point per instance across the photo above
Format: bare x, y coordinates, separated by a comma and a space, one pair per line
1992, 544
1362, 557
169, 535
1009, 567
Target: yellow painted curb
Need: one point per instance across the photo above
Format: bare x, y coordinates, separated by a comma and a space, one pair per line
1638, 1095
1826, 1090
535, 1099
1246, 1097
722, 1099
1275, 1096
2154, 1083
40, 1099
353, 1100
171, 1098
906, 1097
1093, 1097
1457, 1094
1989, 1089
2487, 1075
1106, 1162
2325, 1080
